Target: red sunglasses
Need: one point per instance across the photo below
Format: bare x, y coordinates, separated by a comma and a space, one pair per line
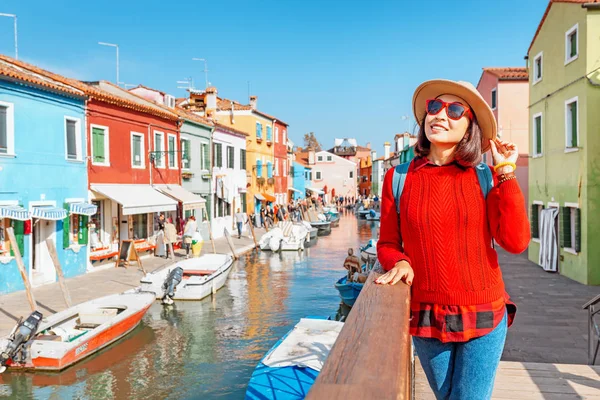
454, 111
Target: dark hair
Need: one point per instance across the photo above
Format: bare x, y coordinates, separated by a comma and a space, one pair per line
468, 150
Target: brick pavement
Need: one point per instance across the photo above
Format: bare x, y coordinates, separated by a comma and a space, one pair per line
550, 326
99, 283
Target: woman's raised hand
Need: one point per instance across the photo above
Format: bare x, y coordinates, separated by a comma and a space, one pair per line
402, 271
504, 151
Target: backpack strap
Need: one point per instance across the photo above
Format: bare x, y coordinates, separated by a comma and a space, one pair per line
485, 178
398, 181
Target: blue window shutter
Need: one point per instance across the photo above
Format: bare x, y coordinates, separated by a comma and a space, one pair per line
269, 169
269, 136
259, 168
258, 130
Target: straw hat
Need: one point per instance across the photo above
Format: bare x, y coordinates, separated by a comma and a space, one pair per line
465, 90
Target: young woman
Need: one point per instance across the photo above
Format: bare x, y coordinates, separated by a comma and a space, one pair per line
440, 242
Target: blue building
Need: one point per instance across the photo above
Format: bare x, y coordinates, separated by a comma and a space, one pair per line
298, 181
43, 174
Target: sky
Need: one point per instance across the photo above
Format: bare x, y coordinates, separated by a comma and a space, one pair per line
339, 68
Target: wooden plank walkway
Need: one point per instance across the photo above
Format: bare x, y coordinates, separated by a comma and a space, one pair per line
529, 381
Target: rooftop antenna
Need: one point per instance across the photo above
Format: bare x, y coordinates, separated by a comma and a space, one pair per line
189, 82
205, 70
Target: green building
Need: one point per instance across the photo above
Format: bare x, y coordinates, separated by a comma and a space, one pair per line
564, 124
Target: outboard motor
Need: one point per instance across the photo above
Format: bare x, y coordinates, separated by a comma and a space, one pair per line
173, 279
18, 340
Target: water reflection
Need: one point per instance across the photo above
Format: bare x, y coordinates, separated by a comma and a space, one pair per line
208, 349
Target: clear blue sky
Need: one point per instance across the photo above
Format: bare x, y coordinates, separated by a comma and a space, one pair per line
340, 68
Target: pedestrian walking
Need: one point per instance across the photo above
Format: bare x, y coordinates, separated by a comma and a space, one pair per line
438, 221
240, 220
159, 251
170, 238
191, 227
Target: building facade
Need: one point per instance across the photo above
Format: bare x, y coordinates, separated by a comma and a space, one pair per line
564, 99
365, 173
281, 167
506, 90
298, 175
377, 176
334, 173
43, 174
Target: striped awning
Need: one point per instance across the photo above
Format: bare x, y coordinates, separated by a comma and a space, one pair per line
14, 212
83, 209
49, 213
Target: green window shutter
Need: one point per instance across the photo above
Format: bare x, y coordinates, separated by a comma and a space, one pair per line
573, 44
19, 229
171, 151
98, 143
565, 237
83, 229
574, 124
66, 227
206, 156
208, 206
577, 245
538, 135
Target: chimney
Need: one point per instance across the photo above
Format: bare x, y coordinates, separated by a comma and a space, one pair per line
311, 156
210, 99
373, 155
368, 145
386, 150
253, 100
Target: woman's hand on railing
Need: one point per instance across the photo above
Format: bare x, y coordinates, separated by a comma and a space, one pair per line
402, 271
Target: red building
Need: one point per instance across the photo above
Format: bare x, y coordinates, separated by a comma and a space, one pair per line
365, 174
133, 148
282, 169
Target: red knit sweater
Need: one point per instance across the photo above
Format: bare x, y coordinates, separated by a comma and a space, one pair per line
446, 229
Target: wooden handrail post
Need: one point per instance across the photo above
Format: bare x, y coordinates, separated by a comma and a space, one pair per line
372, 357
252, 230
230, 242
21, 265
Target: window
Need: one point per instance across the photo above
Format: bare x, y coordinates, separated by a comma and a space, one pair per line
159, 149
284, 167
276, 172
140, 226
319, 158
137, 150
7, 129
276, 135
571, 44
19, 228
269, 169
494, 99
242, 159
243, 201
100, 145
172, 151
230, 157
73, 139
535, 219
218, 151
351, 174
269, 134
538, 68
570, 238
537, 134
186, 157
96, 227
329, 158
204, 156
259, 168
318, 175
258, 130
571, 126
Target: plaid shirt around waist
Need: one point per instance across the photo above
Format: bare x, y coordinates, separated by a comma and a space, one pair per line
459, 323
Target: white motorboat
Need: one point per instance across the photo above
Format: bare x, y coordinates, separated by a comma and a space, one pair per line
65, 338
190, 279
286, 236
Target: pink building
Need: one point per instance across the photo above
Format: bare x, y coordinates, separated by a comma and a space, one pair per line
333, 172
507, 91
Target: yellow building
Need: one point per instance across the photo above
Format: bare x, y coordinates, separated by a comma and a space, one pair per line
260, 155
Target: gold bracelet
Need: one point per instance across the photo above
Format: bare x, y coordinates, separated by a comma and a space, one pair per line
505, 164
507, 179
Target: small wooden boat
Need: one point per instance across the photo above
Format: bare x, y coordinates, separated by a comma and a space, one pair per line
334, 218
292, 365
67, 337
349, 291
324, 227
373, 216
190, 279
362, 213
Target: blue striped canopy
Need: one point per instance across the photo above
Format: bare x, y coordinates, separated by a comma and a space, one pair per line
49, 213
83, 209
14, 212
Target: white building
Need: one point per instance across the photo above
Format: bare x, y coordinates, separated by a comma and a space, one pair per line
333, 172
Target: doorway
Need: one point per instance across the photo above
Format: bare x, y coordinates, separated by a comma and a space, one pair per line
42, 268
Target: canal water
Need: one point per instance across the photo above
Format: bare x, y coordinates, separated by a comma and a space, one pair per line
208, 349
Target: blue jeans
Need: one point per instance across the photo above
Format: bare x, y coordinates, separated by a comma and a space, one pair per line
239, 228
467, 370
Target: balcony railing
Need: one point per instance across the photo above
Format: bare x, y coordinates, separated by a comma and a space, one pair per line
372, 357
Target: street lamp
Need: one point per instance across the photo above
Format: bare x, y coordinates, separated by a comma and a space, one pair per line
117, 47
15, 17
205, 69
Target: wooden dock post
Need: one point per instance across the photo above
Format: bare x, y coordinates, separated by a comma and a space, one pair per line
252, 230
230, 242
15, 247
210, 235
59, 272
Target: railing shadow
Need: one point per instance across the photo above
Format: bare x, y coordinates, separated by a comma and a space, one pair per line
372, 355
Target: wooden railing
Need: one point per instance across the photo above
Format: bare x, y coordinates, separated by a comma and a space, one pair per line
371, 358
